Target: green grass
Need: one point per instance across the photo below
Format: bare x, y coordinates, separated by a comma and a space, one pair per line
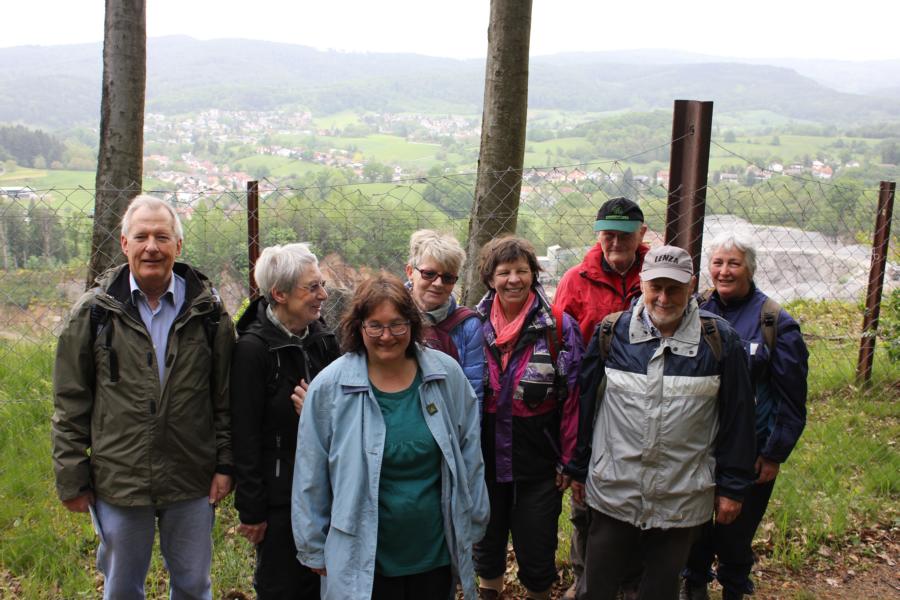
278, 166
384, 148
844, 475
749, 120
337, 120
45, 179
789, 149
72, 190
69, 189
41, 545
49, 551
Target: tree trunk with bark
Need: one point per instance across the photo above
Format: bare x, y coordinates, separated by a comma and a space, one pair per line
497, 189
120, 160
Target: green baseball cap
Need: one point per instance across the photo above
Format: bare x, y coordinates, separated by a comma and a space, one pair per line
619, 214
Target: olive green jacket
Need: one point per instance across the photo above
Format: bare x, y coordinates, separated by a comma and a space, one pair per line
118, 431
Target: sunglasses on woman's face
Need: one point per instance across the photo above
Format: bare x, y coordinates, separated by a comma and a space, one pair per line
446, 278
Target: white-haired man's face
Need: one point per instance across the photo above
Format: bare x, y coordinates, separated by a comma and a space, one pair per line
151, 247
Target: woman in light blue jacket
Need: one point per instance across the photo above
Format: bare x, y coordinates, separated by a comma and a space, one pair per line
389, 494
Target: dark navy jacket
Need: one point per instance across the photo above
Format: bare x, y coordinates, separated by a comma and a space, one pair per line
780, 379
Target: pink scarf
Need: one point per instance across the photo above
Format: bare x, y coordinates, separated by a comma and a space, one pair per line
507, 331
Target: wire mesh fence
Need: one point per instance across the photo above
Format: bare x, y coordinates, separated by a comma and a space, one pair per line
813, 239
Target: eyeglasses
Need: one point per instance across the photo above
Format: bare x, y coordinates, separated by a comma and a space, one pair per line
314, 287
446, 278
375, 330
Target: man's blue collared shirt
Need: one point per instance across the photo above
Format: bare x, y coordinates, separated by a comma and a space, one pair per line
158, 322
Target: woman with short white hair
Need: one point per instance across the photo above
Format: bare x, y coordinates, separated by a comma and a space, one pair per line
435, 260
778, 365
282, 346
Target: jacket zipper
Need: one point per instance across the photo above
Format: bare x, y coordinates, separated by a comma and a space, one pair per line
278, 455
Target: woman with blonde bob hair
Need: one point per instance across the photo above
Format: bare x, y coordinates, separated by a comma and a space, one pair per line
435, 260
389, 493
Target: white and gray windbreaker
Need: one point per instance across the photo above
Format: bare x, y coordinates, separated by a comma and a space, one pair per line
674, 426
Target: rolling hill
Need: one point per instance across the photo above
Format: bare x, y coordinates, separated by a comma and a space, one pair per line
58, 87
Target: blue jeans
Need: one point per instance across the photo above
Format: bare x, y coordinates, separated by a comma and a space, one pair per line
126, 541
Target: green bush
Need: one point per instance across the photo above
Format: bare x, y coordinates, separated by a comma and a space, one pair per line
889, 325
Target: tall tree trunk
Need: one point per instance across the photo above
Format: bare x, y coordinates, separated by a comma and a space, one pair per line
496, 207
120, 160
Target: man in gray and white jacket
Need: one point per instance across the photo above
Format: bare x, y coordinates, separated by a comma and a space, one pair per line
672, 441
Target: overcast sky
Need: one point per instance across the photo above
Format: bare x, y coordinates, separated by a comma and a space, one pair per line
849, 30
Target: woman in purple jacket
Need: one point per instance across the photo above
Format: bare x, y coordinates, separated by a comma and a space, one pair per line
778, 366
530, 420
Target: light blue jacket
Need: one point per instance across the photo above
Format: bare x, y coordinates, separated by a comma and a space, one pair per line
340, 444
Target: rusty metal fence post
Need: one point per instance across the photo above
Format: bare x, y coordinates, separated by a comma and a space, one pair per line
688, 172
876, 282
253, 233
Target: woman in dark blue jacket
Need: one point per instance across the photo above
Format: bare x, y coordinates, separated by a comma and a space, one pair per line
778, 366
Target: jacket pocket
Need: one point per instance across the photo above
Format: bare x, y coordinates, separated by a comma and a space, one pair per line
343, 522
533, 394
600, 466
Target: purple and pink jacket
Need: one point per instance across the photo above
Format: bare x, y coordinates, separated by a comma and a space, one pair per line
528, 432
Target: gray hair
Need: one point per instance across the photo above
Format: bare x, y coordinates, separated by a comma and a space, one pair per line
279, 268
153, 203
443, 248
731, 240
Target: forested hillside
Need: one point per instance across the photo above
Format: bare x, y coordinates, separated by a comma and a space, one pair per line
185, 75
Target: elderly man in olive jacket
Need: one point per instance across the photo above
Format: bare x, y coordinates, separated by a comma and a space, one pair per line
141, 430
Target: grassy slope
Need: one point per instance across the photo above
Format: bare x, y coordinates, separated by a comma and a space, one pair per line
67, 189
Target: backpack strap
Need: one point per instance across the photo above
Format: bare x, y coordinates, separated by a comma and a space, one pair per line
331, 346
704, 296
211, 322
607, 328
710, 330
555, 333
554, 346
99, 323
768, 321
462, 313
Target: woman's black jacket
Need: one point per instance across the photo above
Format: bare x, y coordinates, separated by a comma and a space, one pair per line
266, 365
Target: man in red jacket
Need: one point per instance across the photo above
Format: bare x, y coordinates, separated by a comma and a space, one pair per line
606, 281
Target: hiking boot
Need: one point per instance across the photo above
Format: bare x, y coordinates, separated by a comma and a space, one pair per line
488, 594
693, 591
532, 595
630, 590
731, 595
